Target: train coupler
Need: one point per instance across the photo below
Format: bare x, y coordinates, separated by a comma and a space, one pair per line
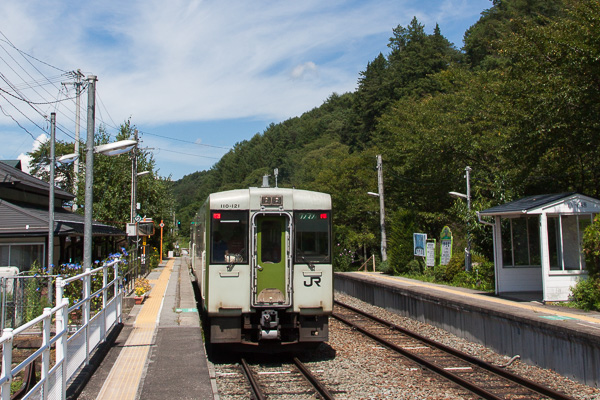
269, 324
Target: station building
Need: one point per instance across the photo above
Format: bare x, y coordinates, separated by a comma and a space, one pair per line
24, 216
538, 244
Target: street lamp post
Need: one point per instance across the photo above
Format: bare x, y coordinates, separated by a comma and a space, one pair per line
381, 207
468, 264
51, 194
111, 149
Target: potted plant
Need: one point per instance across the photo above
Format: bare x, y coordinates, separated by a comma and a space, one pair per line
142, 287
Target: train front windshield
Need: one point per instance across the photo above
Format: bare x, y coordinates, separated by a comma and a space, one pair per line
313, 233
229, 233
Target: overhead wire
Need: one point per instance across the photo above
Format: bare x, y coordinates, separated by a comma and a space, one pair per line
6, 40
186, 141
187, 154
16, 91
23, 114
52, 80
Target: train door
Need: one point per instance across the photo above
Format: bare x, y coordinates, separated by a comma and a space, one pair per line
271, 259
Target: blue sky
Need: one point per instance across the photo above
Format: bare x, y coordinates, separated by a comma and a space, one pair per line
194, 76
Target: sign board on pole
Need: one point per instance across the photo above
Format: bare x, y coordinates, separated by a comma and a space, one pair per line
446, 246
419, 240
430, 261
131, 229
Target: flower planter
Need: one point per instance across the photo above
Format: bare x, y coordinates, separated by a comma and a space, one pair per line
139, 299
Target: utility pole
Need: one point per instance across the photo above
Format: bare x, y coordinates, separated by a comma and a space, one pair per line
51, 195
78, 84
51, 202
468, 265
134, 180
89, 173
381, 208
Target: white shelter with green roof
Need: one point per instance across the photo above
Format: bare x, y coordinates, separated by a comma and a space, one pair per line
538, 244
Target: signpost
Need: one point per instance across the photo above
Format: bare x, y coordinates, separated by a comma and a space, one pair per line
430, 260
419, 240
446, 249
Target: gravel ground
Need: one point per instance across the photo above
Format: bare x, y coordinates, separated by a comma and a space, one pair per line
353, 366
544, 376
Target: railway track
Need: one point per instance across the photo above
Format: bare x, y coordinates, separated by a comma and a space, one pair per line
267, 380
477, 376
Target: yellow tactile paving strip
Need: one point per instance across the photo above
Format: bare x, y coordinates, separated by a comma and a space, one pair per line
124, 377
494, 299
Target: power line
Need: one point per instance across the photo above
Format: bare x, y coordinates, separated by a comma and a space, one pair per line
23, 114
188, 154
186, 141
17, 122
28, 55
33, 102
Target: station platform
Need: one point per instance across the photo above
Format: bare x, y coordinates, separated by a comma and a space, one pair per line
159, 353
550, 336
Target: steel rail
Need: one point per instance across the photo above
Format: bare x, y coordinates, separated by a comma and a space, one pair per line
531, 385
313, 380
439, 370
256, 390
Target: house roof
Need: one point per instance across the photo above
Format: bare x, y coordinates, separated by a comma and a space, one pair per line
569, 202
29, 220
13, 178
13, 163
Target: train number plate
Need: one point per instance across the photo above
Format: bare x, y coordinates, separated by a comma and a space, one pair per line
271, 200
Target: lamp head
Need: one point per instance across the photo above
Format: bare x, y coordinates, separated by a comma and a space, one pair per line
116, 148
457, 195
68, 158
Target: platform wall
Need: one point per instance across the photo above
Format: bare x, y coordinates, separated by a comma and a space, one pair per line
573, 355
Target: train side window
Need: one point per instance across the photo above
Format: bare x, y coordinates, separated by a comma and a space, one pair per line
229, 233
312, 236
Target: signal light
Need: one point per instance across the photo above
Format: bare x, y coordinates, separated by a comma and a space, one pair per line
217, 216
323, 216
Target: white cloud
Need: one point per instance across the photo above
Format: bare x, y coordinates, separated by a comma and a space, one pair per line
203, 60
25, 159
302, 70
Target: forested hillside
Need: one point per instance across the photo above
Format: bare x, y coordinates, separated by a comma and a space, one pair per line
519, 104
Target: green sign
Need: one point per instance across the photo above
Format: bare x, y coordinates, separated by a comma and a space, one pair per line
446, 246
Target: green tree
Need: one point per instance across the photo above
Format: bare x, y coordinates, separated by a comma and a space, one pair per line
496, 23
552, 95
39, 164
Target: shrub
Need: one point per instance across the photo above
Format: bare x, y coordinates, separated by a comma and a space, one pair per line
591, 247
414, 267
586, 294
343, 257
385, 267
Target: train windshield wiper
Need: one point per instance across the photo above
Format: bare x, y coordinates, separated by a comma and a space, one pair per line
310, 263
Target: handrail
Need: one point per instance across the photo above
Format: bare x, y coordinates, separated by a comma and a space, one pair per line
65, 366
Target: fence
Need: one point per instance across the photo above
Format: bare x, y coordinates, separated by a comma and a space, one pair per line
72, 349
23, 298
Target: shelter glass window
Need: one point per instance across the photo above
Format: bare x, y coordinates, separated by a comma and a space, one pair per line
521, 242
565, 237
313, 236
229, 237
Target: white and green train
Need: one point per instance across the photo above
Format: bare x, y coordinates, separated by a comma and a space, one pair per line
262, 259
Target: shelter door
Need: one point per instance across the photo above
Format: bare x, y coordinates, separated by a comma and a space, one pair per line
272, 263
